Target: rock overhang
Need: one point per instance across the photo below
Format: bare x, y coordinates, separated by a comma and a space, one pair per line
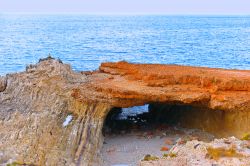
124, 84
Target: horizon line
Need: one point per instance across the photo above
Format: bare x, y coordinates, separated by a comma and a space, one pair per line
118, 14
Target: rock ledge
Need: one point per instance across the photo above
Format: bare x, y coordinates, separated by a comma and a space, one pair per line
35, 104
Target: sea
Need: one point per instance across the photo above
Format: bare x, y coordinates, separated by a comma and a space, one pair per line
85, 41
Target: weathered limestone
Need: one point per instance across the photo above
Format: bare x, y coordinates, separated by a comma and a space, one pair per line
219, 122
223, 152
34, 105
3, 83
33, 108
127, 85
219, 99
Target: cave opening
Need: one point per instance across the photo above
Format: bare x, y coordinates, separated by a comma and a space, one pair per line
131, 133
160, 115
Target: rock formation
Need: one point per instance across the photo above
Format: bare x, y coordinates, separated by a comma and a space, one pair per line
225, 152
33, 108
216, 100
51, 115
123, 85
3, 83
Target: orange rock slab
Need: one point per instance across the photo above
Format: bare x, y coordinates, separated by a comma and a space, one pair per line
125, 84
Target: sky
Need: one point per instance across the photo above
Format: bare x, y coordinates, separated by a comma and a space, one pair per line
232, 7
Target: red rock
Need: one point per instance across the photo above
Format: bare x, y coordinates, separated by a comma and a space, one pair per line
164, 148
212, 92
166, 83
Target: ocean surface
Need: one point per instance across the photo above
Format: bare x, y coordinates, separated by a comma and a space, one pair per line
84, 41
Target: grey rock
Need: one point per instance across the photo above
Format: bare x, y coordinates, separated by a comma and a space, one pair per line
3, 83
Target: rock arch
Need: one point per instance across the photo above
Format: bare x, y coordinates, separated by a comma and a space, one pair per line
35, 103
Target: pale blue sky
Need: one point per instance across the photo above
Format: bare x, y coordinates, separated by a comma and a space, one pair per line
128, 6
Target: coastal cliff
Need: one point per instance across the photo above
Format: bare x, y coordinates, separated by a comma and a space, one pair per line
51, 115
34, 107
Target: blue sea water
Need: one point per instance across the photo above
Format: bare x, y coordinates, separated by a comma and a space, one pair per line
84, 41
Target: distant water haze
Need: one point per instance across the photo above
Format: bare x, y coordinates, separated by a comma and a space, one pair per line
84, 41
224, 7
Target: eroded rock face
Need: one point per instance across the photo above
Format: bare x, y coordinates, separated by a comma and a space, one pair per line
36, 103
123, 85
226, 92
33, 109
219, 122
3, 83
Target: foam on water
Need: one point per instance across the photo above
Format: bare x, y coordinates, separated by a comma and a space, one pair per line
132, 111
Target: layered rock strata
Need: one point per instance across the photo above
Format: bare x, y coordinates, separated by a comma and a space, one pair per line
33, 110
51, 115
215, 100
123, 85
